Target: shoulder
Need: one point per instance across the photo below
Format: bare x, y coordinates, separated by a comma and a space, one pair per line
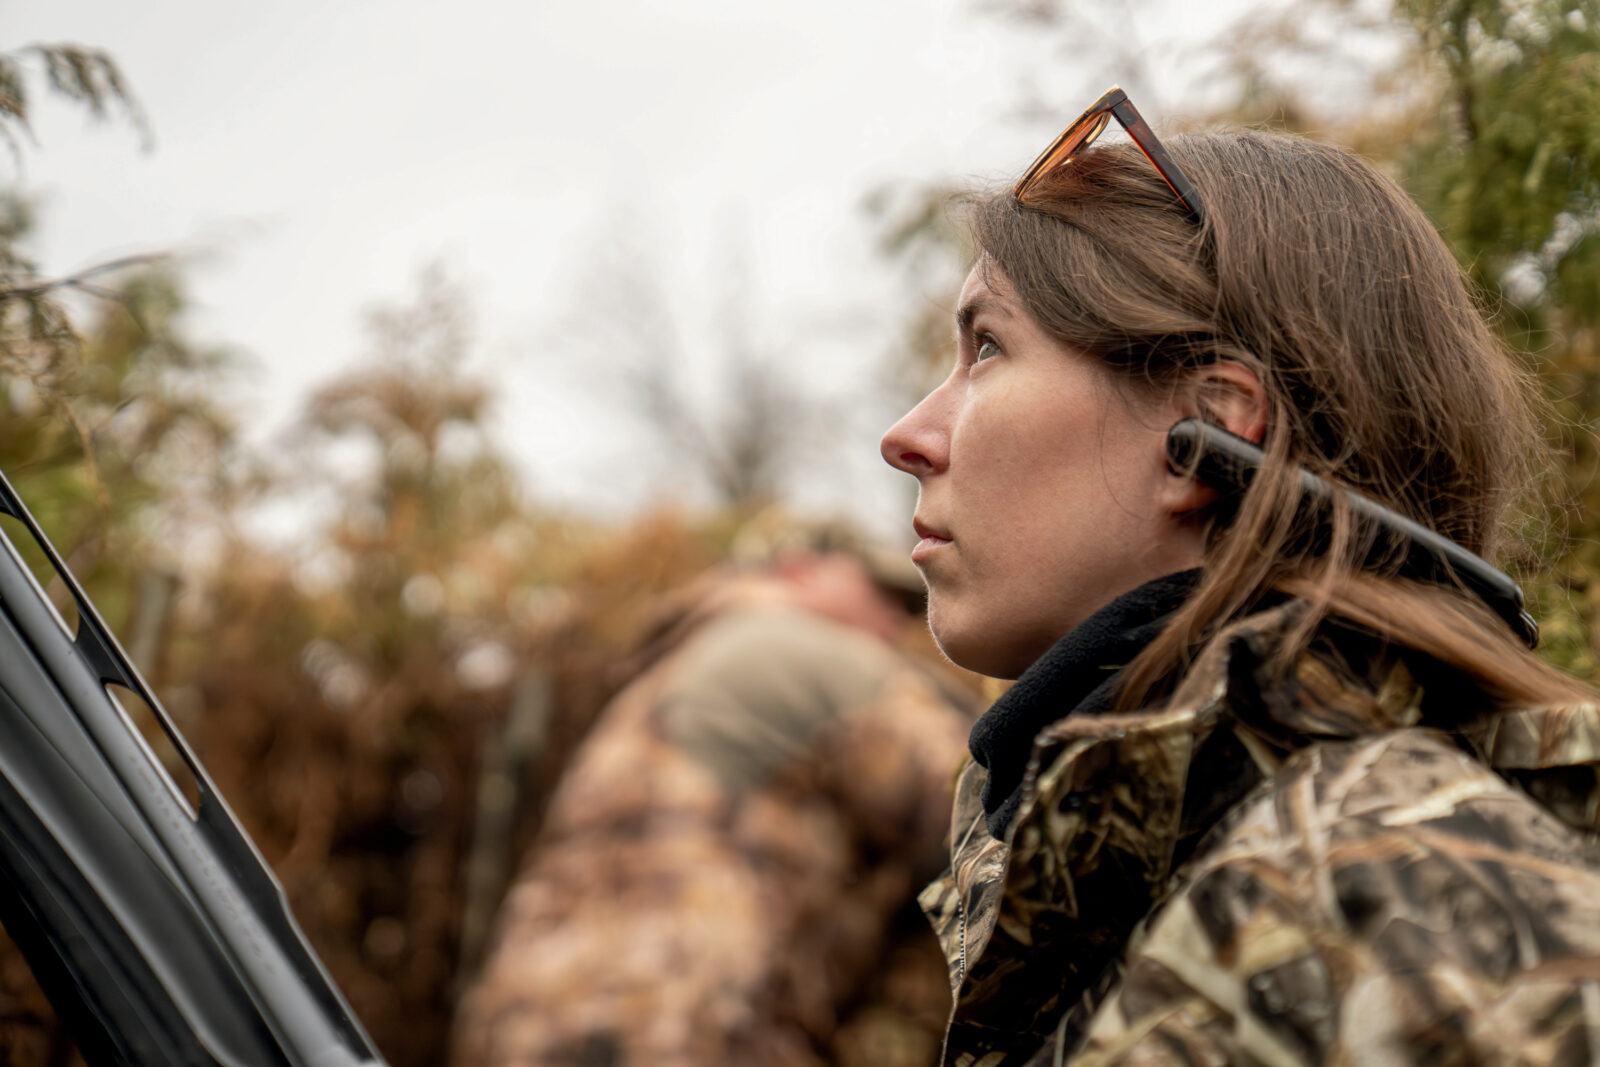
762, 689
1381, 900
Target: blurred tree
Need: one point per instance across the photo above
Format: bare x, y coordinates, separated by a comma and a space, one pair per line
738, 431
357, 685
346, 729
38, 343
127, 403
85, 75
128, 400
428, 485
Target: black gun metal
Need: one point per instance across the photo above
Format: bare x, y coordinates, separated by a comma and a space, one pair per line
1229, 463
152, 924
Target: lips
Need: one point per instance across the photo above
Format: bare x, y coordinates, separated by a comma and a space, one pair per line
933, 539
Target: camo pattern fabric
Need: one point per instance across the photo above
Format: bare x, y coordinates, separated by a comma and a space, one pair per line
723, 865
1318, 869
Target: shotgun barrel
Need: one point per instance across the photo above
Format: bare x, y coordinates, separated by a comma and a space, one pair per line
148, 917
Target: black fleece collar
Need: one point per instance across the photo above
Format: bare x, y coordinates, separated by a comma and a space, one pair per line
1077, 675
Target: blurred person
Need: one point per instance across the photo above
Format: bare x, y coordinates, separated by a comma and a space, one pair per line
1267, 789
724, 862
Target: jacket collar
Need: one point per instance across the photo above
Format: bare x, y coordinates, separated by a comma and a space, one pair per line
1076, 676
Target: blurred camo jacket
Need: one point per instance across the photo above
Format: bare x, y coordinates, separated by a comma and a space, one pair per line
1318, 867
722, 867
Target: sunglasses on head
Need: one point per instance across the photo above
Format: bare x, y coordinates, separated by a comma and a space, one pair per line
1082, 133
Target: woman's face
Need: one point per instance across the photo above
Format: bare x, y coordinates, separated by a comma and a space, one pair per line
1044, 490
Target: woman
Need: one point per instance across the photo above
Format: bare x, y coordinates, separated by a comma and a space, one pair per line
1271, 798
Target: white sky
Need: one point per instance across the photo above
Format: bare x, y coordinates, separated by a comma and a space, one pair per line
321, 152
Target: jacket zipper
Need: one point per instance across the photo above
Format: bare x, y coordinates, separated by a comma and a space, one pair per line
961, 959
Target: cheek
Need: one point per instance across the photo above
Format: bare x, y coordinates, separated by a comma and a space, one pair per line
1005, 443
1026, 461
1002, 606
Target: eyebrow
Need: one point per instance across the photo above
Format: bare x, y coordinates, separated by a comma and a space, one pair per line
976, 306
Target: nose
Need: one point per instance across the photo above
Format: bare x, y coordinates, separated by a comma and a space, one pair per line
919, 443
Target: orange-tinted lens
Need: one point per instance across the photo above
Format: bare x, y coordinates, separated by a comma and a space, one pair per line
1073, 139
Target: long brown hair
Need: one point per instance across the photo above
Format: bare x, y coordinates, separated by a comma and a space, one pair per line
1322, 277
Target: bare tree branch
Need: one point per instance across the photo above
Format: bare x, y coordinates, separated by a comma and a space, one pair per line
80, 279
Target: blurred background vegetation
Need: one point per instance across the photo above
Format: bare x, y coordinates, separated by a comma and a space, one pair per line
387, 700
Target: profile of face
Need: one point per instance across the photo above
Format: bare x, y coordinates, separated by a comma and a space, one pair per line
1044, 491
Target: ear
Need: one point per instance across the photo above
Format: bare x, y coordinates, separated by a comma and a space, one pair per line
1227, 394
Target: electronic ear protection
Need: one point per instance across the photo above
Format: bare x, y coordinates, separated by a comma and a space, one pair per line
1228, 464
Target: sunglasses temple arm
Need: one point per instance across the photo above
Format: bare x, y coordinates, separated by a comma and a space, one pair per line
1140, 133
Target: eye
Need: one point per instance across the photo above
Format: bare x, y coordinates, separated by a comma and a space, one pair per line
987, 349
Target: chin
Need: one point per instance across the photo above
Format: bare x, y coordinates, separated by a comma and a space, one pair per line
980, 649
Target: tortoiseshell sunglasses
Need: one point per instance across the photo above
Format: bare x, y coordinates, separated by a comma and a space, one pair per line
1081, 134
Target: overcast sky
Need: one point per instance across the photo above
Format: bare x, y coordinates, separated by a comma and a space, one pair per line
318, 153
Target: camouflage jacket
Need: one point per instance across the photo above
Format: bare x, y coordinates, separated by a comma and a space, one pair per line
1303, 870
721, 868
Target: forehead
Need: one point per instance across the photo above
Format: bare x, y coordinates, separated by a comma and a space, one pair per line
986, 289
974, 284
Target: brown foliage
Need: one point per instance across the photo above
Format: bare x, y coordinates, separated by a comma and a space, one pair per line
357, 774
